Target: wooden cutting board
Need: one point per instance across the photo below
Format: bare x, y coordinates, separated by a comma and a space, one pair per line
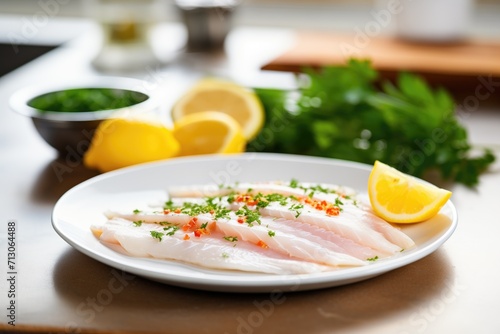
445, 63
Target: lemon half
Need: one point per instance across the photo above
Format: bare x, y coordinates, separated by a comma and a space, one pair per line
122, 142
208, 132
400, 198
240, 103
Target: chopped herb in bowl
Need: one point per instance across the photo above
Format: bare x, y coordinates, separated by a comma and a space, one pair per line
87, 99
66, 114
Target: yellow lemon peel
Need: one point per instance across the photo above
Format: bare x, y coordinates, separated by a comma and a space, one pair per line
208, 132
122, 142
400, 198
227, 97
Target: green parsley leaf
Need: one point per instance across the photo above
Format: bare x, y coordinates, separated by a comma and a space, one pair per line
170, 231
351, 116
169, 205
157, 235
297, 207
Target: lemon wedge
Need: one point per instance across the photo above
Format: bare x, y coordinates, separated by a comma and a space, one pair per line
217, 95
208, 132
122, 142
400, 198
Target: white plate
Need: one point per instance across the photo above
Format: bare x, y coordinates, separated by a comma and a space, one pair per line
141, 185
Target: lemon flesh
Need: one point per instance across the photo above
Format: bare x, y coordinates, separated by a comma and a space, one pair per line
120, 142
240, 103
400, 198
208, 132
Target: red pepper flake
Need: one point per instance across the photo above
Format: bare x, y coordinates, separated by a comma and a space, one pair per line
333, 211
262, 244
212, 226
248, 199
190, 225
197, 233
186, 237
212, 212
307, 200
178, 210
241, 220
166, 212
329, 208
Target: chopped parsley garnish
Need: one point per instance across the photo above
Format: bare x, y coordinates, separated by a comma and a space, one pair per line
138, 223
169, 205
275, 197
222, 213
225, 255
170, 231
231, 238
312, 190
294, 183
204, 225
271, 233
136, 211
157, 235
194, 209
262, 204
296, 207
210, 205
375, 258
250, 215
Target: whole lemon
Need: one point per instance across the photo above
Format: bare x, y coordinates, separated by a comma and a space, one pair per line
122, 142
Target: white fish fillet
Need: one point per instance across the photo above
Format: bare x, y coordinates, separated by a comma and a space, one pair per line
291, 228
285, 243
255, 188
324, 238
347, 228
288, 243
358, 214
138, 242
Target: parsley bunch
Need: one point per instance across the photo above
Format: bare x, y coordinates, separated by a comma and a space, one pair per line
341, 112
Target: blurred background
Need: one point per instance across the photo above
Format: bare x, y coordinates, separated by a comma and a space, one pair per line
27, 24
323, 14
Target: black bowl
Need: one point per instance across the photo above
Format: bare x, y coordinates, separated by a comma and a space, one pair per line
72, 131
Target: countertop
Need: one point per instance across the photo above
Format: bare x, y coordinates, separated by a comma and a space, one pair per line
58, 289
